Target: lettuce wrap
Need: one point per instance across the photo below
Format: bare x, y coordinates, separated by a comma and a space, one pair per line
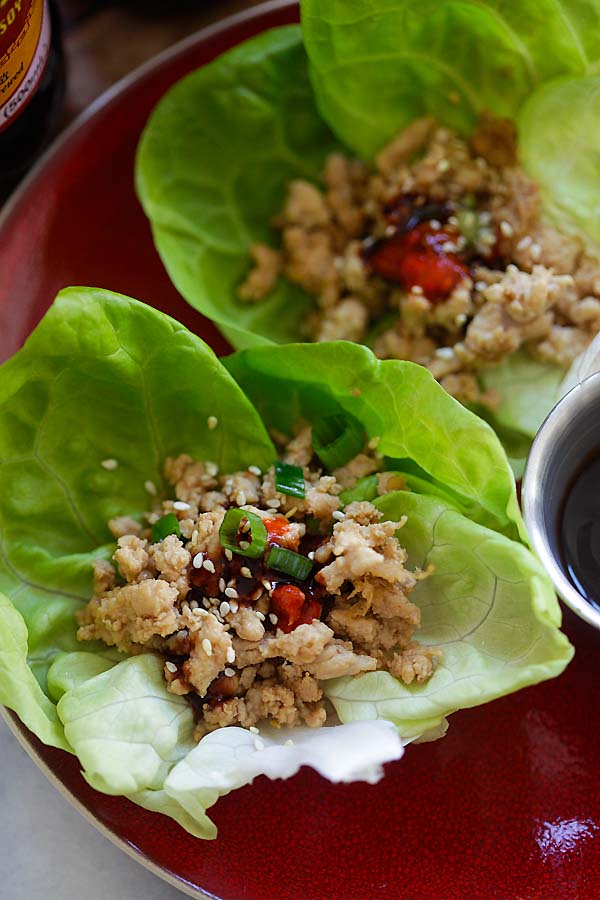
220, 148
104, 389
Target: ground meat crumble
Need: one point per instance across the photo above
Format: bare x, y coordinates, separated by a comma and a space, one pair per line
438, 255
245, 642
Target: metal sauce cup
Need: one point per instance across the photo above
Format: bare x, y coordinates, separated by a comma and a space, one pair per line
568, 437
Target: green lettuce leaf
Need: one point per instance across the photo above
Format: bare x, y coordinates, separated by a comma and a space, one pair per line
102, 377
559, 131
212, 169
398, 402
529, 389
125, 727
19, 689
376, 65
488, 605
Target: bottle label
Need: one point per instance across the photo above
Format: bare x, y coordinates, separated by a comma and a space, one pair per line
24, 47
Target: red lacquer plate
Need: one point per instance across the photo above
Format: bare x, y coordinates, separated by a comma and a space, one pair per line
505, 807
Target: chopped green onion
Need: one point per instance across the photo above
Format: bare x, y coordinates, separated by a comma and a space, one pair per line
364, 489
289, 480
290, 563
241, 526
168, 524
336, 440
313, 525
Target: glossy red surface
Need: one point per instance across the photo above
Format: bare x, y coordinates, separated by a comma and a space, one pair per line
505, 807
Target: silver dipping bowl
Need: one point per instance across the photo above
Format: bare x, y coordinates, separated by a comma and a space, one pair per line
569, 435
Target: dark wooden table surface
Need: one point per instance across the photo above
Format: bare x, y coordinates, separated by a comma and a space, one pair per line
104, 40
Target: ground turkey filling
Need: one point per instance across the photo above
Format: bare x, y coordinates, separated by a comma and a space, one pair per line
439, 255
246, 642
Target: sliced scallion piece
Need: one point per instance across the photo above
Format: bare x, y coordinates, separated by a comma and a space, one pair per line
166, 525
336, 440
289, 480
290, 563
243, 532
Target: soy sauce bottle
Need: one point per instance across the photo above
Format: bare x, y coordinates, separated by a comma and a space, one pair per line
31, 83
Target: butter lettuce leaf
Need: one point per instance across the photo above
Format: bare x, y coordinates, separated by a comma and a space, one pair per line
101, 378
488, 605
19, 689
376, 65
212, 169
558, 128
398, 402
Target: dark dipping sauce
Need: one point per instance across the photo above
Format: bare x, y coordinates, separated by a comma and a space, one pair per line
579, 530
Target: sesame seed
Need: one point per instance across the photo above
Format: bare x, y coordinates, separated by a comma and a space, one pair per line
535, 251
338, 514
443, 165
221, 584
448, 247
524, 242
373, 443
506, 229
511, 268
228, 554
224, 608
311, 555
231, 592
211, 468
171, 667
255, 470
417, 289
230, 655
197, 610
241, 498
198, 560
209, 565
260, 616
258, 744
435, 224
150, 487
480, 285
485, 217
229, 672
109, 464
460, 319
245, 527
390, 231
193, 605
194, 537
289, 743
445, 353
205, 602
234, 606
291, 512
274, 504
244, 545
245, 571
254, 729
266, 584
212, 423
273, 618
207, 646
179, 504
